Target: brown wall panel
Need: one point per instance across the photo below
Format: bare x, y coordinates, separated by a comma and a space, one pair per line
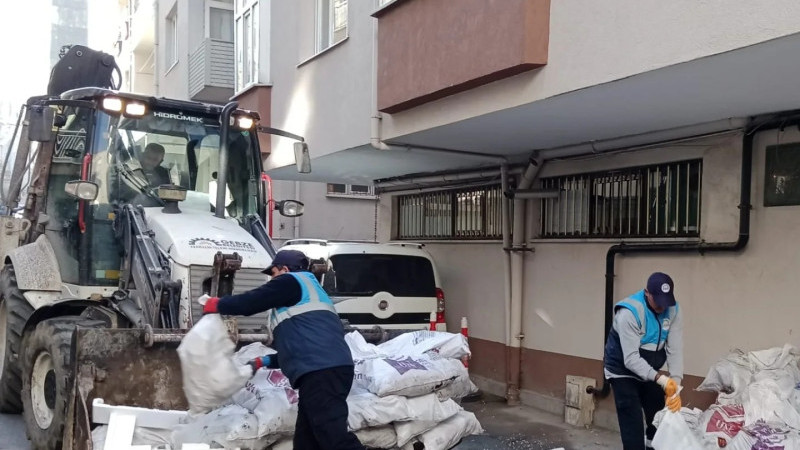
545, 372
259, 98
429, 49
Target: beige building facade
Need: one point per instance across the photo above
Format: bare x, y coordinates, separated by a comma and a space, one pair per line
629, 131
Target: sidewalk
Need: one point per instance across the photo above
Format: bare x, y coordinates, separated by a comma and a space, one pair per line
525, 428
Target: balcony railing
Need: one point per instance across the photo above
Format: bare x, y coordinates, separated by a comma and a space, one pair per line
211, 72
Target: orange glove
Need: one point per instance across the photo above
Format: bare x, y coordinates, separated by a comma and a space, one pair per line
674, 403
668, 384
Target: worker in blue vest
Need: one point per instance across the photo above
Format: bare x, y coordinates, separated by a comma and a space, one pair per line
312, 352
646, 333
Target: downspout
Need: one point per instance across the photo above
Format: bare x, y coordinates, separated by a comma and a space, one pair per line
506, 224
517, 256
701, 247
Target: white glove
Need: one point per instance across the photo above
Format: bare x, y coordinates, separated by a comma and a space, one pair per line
203, 299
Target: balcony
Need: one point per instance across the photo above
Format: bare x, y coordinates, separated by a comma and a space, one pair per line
211, 74
429, 49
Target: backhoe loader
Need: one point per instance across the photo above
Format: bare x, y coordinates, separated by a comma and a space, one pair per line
101, 267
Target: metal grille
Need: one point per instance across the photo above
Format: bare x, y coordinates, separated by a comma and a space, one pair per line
653, 201
245, 280
468, 213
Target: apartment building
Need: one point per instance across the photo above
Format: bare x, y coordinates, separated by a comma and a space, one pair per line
335, 208
551, 155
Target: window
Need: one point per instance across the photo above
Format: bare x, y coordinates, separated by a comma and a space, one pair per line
471, 213
782, 175
220, 20
247, 31
349, 189
399, 275
172, 37
331, 23
653, 201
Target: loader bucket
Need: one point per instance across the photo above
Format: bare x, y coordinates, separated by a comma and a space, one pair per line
117, 366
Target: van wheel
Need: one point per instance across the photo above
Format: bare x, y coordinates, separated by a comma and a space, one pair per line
47, 379
14, 312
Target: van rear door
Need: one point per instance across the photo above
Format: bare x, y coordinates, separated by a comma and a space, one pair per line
392, 291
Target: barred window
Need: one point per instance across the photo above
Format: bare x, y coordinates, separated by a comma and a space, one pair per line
652, 201
469, 213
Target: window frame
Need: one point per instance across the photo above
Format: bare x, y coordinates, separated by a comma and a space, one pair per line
326, 28
595, 221
246, 52
172, 34
349, 192
441, 217
214, 4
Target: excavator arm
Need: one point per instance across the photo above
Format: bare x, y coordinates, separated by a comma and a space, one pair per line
147, 295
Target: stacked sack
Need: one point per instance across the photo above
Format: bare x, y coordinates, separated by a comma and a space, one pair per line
757, 407
404, 391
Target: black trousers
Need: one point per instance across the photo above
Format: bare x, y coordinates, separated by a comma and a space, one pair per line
322, 411
631, 396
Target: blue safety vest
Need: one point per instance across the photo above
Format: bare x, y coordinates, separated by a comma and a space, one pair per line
309, 335
654, 333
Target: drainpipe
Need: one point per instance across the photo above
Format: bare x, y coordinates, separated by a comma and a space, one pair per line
506, 224
518, 247
702, 247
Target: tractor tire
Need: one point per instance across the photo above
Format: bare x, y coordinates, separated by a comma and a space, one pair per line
14, 312
47, 379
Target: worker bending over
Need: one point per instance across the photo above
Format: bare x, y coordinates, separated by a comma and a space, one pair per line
312, 352
646, 333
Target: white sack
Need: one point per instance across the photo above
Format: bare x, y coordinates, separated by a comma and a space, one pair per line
729, 376
360, 348
378, 437
765, 436
765, 401
459, 388
252, 351
407, 376
690, 416
230, 426
447, 434
407, 431
210, 375
673, 433
719, 424
368, 410
774, 358
269, 395
447, 345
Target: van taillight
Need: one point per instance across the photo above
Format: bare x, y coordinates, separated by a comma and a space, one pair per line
439, 305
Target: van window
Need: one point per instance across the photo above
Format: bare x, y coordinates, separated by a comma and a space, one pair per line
368, 274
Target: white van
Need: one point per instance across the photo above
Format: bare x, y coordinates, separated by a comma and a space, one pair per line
394, 286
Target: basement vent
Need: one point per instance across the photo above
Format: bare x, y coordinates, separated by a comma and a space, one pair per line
466, 213
652, 201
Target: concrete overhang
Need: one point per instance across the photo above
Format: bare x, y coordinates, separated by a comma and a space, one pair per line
753, 80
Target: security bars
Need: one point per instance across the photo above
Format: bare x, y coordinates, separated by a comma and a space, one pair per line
466, 213
652, 201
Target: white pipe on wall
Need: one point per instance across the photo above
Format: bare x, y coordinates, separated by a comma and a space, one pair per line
514, 350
